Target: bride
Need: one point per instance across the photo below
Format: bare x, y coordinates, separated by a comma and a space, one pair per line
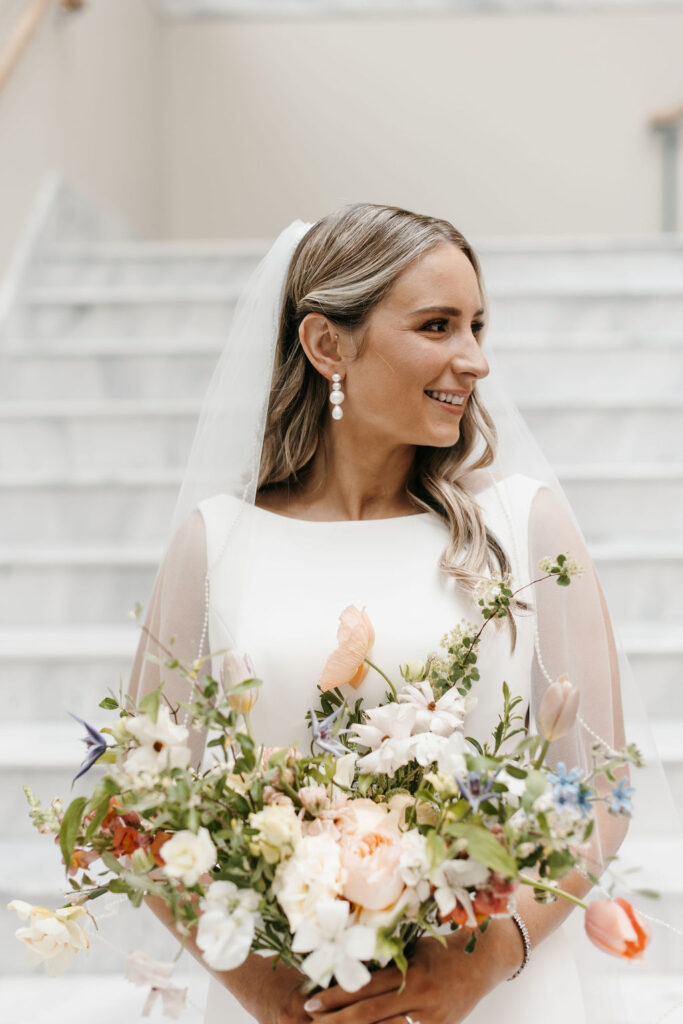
348, 453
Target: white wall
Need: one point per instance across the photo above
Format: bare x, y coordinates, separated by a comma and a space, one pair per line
505, 123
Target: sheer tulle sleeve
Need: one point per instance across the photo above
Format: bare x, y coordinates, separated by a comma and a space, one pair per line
574, 636
175, 621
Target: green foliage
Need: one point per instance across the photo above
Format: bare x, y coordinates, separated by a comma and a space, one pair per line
71, 823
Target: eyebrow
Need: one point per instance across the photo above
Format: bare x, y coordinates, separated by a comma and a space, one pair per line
451, 310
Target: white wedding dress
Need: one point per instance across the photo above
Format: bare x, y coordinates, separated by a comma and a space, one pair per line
295, 577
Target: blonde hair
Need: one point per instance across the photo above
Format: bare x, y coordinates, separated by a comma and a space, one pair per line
343, 267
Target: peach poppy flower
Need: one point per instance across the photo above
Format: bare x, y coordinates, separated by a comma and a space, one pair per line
355, 637
616, 928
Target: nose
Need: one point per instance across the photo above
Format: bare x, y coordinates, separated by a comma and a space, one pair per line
468, 358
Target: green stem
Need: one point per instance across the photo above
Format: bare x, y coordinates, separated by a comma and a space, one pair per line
525, 880
383, 675
247, 722
541, 757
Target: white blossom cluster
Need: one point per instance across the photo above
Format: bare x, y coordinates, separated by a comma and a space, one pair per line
417, 727
570, 567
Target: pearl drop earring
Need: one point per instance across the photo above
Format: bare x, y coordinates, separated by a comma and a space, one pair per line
336, 397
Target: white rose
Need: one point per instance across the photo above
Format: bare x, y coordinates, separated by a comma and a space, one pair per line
279, 830
187, 856
227, 925
52, 936
313, 873
414, 864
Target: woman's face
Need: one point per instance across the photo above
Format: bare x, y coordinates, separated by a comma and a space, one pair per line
418, 365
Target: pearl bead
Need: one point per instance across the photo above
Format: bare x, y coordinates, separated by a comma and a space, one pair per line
337, 397
337, 412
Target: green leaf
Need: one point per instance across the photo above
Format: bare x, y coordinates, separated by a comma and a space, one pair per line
515, 771
109, 704
484, 847
471, 943
248, 684
110, 861
71, 822
149, 705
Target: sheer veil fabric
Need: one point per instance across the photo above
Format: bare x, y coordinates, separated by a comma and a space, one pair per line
574, 633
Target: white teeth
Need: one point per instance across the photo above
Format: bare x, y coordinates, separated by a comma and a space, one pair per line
443, 396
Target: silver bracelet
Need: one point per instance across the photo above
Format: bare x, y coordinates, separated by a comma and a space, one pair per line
527, 944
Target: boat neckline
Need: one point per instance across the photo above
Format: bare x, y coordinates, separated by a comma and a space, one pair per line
339, 522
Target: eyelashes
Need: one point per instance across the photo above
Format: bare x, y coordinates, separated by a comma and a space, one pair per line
477, 326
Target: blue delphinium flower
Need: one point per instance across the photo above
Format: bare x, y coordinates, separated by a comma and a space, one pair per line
96, 744
583, 801
323, 733
475, 789
621, 798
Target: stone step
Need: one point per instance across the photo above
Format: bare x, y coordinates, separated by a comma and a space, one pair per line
66, 374
102, 995
71, 436
59, 369
90, 508
59, 669
135, 505
626, 502
597, 429
567, 371
64, 584
131, 311
169, 262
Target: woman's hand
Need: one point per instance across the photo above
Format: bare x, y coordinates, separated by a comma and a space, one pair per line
443, 985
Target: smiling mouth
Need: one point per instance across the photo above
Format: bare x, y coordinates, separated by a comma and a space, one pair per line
446, 397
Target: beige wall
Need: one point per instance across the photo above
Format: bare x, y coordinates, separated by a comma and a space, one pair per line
85, 98
506, 123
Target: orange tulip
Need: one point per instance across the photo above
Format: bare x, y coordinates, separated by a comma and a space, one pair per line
355, 637
616, 928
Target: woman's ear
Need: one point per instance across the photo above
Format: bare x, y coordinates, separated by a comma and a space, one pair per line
321, 343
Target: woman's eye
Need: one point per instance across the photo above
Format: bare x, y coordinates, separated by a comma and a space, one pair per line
476, 327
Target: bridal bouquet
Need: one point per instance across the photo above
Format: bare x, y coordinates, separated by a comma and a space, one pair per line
396, 825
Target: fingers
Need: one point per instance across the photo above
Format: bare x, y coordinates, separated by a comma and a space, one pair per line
386, 980
384, 1007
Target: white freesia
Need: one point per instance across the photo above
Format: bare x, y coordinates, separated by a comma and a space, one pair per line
390, 721
414, 864
451, 878
162, 745
188, 856
52, 936
451, 757
279, 830
336, 949
227, 925
392, 754
344, 769
442, 716
428, 747
313, 873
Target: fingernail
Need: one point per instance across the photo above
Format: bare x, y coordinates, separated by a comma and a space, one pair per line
312, 1005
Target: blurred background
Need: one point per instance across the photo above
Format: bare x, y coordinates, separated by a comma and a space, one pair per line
150, 152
